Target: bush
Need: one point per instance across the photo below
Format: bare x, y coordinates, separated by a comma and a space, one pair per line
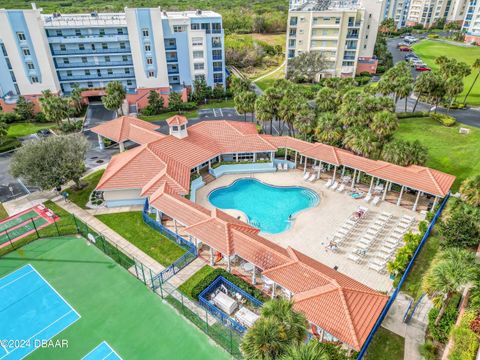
445, 120
441, 331
10, 117
70, 127
422, 227
416, 114
433, 36
428, 351
380, 69
460, 229
188, 106
362, 80
207, 280
9, 144
40, 117
465, 342
365, 73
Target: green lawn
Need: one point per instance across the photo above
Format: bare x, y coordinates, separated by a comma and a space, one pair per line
130, 225
80, 197
386, 345
429, 50
449, 151
114, 306
23, 129
3, 212
190, 114
187, 286
267, 82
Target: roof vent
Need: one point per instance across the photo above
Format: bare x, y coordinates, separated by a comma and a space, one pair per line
335, 268
198, 12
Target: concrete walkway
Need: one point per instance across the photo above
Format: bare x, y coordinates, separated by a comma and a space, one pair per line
414, 331
271, 72
115, 210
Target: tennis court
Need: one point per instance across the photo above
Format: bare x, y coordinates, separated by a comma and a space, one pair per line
115, 307
22, 224
31, 312
102, 352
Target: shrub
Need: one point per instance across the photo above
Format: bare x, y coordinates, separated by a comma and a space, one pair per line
40, 117
10, 118
422, 227
365, 73
445, 120
460, 229
416, 114
465, 342
362, 80
433, 36
428, 351
187, 106
380, 69
207, 280
441, 331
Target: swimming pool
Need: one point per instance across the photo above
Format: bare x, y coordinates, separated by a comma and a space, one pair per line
267, 207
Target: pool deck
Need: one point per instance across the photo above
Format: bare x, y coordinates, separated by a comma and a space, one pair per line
312, 227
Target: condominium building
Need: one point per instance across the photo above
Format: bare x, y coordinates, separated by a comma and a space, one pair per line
144, 49
344, 31
471, 23
398, 11
428, 12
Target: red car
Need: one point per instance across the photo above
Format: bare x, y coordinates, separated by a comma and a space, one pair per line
423, 68
406, 49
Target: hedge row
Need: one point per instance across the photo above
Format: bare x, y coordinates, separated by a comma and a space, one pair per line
404, 115
441, 331
445, 120
207, 280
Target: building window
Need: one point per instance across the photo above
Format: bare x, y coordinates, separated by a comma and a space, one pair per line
124, 58
69, 73
26, 52
104, 46
89, 84
87, 72
107, 58
216, 42
12, 75
34, 79
59, 33
30, 66
217, 77
122, 45
197, 41
149, 61
66, 61
21, 36
337, 20
78, 32
84, 60
120, 31
151, 74
206, 27
217, 54
199, 66
179, 28
148, 48
195, 26
170, 43
216, 27
129, 83
127, 71
102, 32
217, 66
80, 46
145, 32
109, 71
198, 54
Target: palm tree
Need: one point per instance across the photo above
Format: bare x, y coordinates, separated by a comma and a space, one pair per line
313, 350
361, 141
305, 121
470, 190
265, 340
453, 87
3, 131
423, 86
384, 124
264, 111
329, 130
475, 66
325, 100
114, 96
282, 311
76, 98
395, 152
245, 102
405, 87
417, 153
54, 107
449, 275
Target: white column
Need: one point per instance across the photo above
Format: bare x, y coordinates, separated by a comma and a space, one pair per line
254, 157
157, 215
353, 178
209, 164
175, 225
254, 275
296, 153
229, 269
399, 201
211, 257
414, 208
390, 186
385, 190
121, 145
272, 155
198, 170
305, 166
343, 171
371, 185
236, 157
301, 159
435, 200
273, 290
334, 173
286, 151
358, 176
319, 170
100, 142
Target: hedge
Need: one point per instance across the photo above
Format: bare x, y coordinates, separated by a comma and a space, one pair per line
441, 331
445, 120
465, 342
207, 280
9, 144
405, 115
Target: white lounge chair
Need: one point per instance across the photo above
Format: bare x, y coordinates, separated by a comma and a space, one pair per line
285, 166
368, 197
312, 178
341, 188
329, 183
306, 175
279, 167
334, 186
354, 258
376, 200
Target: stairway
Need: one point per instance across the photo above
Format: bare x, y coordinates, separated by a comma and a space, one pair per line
207, 178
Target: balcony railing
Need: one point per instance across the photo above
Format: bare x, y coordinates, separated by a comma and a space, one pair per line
352, 36
217, 57
216, 45
95, 65
57, 52
173, 72
217, 69
87, 39
96, 77
354, 24
173, 59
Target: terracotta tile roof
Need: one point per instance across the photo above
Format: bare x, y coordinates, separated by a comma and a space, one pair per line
177, 120
128, 128
323, 152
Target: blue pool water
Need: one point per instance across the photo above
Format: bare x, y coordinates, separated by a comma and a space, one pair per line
267, 207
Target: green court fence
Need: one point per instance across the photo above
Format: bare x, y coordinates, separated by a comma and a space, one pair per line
191, 310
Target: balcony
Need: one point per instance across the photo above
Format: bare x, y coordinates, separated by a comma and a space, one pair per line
348, 57
217, 57
94, 65
354, 24
217, 69
352, 36
87, 39
216, 45
170, 47
95, 77
57, 52
172, 59
172, 71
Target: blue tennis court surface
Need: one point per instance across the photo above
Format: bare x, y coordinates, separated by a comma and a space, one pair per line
102, 352
31, 311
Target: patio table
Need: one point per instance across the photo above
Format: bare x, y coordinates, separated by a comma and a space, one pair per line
248, 267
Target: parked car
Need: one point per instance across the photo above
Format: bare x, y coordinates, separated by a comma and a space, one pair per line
411, 56
402, 44
405, 49
417, 62
410, 39
423, 68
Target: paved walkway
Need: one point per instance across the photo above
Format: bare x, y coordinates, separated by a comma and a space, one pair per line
414, 331
115, 210
271, 72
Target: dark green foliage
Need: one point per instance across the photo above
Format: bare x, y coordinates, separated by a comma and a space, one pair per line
24, 109
9, 118
445, 120
207, 280
441, 331
40, 117
155, 104
461, 229
174, 101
